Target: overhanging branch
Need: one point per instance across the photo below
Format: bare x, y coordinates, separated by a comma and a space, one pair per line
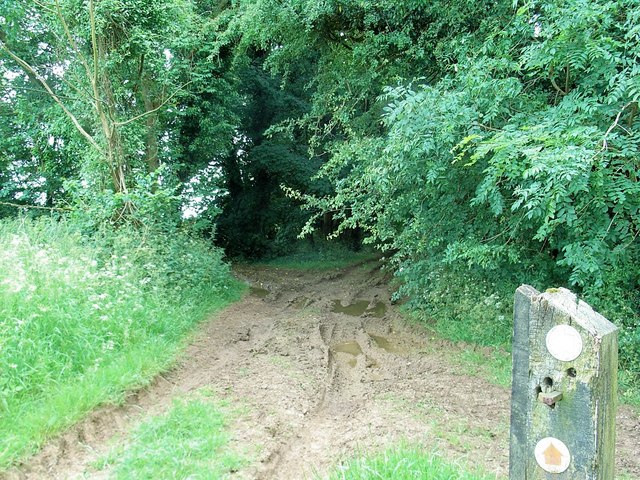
142, 115
32, 71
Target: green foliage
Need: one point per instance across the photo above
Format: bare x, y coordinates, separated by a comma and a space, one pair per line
404, 462
189, 441
353, 48
344, 53
96, 92
87, 318
257, 219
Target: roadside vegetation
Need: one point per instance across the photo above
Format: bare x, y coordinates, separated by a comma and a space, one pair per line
87, 318
478, 312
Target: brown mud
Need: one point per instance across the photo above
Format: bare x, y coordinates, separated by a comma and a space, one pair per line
325, 367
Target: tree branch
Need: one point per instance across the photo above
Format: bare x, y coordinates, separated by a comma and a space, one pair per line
30, 70
73, 43
553, 82
142, 115
44, 7
613, 125
94, 43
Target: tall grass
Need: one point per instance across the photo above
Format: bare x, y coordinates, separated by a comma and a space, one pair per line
85, 319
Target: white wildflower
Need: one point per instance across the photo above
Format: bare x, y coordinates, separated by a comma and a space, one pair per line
14, 285
42, 257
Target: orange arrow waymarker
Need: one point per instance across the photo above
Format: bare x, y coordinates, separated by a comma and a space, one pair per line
552, 456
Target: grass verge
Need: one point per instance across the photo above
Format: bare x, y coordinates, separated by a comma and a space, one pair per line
189, 441
405, 463
87, 319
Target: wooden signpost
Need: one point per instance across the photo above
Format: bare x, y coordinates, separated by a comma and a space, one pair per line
565, 363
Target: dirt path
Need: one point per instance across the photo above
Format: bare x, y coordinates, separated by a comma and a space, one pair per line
326, 367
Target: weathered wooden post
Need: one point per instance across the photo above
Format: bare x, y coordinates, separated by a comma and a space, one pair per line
565, 364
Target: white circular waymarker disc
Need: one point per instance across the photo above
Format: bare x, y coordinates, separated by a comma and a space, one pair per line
564, 343
552, 455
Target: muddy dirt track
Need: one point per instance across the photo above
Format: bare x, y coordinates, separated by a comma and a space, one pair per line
324, 367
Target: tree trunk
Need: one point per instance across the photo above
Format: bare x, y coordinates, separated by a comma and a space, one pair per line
107, 113
151, 123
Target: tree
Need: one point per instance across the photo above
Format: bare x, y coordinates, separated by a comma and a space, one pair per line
257, 218
113, 69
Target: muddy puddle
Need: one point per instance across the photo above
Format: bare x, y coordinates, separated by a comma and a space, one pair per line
352, 348
359, 308
385, 344
301, 302
259, 292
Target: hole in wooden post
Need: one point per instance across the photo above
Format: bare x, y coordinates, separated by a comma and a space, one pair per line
547, 382
572, 372
538, 390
